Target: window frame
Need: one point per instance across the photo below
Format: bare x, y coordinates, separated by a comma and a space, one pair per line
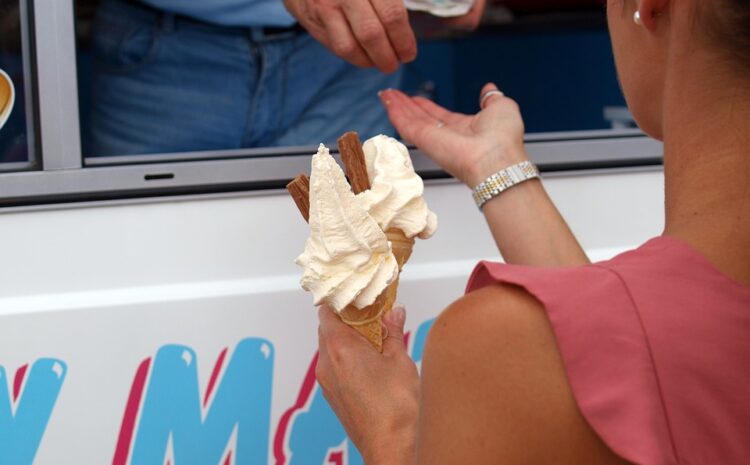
30, 92
65, 176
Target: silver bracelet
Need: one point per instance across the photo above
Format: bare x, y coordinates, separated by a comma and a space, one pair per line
504, 180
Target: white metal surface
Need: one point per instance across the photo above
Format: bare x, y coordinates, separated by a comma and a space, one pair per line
102, 290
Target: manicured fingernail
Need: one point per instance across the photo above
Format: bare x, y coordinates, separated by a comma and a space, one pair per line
383, 97
397, 315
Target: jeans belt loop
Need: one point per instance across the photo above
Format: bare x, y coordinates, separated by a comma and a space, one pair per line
267, 33
256, 34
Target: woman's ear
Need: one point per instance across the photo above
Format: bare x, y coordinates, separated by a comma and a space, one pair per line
651, 11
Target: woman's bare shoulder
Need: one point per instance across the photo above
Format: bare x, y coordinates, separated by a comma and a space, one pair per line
495, 388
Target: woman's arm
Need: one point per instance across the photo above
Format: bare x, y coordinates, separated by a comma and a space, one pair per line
524, 222
494, 388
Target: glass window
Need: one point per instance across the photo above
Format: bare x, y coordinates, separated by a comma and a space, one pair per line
174, 97
158, 79
553, 57
161, 77
16, 134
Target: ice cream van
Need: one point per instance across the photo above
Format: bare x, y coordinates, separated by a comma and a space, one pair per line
150, 305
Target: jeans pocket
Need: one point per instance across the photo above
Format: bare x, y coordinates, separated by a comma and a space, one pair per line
122, 46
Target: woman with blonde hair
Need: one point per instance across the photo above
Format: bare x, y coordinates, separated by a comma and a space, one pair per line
640, 359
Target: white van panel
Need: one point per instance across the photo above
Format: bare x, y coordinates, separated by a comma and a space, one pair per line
103, 289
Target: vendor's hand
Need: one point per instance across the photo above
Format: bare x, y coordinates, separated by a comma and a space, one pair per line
374, 395
469, 147
363, 32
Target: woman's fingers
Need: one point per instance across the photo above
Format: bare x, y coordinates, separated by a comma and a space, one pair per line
362, 385
394, 323
490, 93
410, 119
401, 113
333, 329
438, 112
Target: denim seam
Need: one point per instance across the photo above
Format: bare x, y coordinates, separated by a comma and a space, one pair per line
260, 58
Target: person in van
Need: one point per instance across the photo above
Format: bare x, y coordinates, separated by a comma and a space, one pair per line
194, 75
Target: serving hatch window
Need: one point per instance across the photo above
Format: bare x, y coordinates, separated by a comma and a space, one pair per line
165, 97
152, 81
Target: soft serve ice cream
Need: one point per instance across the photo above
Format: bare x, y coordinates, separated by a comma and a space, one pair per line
347, 258
358, 244
395, 196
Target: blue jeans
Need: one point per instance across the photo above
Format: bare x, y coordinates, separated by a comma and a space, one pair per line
164, 84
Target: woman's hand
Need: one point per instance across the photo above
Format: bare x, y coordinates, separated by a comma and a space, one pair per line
374, 395
472, 148
469, 147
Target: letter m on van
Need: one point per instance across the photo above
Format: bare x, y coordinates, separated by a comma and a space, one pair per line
168, 422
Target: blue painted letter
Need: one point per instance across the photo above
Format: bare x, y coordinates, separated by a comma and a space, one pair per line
34, 398
172, 412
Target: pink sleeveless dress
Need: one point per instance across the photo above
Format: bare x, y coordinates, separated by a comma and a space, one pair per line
656, 345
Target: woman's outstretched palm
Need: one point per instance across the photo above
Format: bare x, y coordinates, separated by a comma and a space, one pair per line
470, 147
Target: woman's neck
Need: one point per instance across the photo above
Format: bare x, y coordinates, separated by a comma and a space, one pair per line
707, 164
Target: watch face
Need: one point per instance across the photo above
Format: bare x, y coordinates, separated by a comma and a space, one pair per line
7, 97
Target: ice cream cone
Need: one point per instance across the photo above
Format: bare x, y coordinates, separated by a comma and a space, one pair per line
401, 246
368, 321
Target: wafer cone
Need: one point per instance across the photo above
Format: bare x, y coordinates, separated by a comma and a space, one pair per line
366, 321
371, 325
350, 149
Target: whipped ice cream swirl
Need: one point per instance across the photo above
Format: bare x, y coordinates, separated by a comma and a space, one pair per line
347, 258
395, 196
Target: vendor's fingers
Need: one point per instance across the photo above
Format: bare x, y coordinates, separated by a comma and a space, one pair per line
342, 41
370, 34
395, 19
490, 93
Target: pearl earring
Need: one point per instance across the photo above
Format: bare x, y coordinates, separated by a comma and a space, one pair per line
637, 18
